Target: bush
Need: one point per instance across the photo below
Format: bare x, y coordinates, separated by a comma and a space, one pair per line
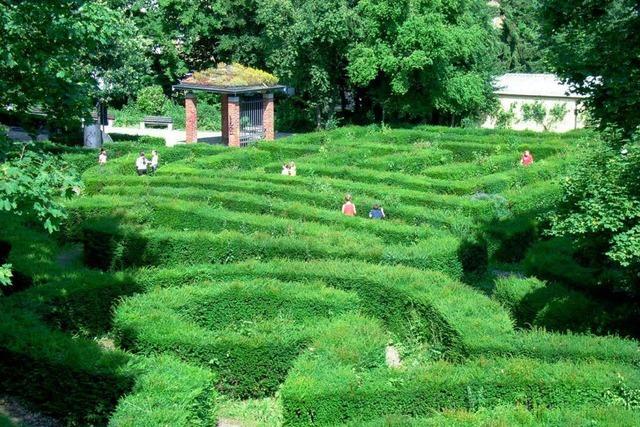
151, 100
38, 364
167, 393
508, 415
249, 332
320, 393
547, 305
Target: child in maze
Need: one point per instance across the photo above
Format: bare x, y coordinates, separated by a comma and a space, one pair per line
285, 169
141, 164
348, 208
102, 157
376, 212
527, 159
292, 169
154, 161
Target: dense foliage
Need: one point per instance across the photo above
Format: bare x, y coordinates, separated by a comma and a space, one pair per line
56, 55
595, 46
601, 208
520, 36
242, 284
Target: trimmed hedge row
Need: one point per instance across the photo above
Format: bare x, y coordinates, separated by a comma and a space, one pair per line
321, 190
547, 305
186, 215
249, 332
70, 379
415, 305
109, 245
420, 306
168, 393
321, 392
449, 213
75, 379
391, 231
602, 416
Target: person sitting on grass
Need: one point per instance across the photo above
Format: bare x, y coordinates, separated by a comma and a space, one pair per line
527, 159
376, 212
292, 169
349, 209
154, 161
102, 157
285, 169
141, 164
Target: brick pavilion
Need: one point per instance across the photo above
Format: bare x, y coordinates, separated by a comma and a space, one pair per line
247, 110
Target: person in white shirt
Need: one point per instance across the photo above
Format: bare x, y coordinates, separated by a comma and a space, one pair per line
292, 169
154, 161
285, 169
141, 164
102, 158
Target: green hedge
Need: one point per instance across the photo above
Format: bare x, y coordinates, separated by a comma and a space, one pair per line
109, 244
390, 231
548, 305
601, 416
419, 306
553, 260
70, 379
444, 211
168, 393
319, 392
415, 305
248, 332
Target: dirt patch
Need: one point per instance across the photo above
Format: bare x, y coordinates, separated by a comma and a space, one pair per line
20, 415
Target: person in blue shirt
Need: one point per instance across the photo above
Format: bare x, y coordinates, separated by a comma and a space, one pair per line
376, 212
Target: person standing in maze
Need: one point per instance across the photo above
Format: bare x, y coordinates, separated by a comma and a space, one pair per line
348, 208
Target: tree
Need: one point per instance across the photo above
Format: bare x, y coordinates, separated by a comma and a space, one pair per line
520, 34
306, 45
595, 45
33, 185
600, 209
425, 60
53, 55
185, 36
537, 113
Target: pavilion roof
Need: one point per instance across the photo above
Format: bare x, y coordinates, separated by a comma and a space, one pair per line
230, 79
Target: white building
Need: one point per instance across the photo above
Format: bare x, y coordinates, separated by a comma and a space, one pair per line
514, 90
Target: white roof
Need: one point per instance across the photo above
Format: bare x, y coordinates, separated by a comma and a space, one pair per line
530, 84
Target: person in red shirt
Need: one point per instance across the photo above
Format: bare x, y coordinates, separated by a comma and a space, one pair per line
527, 159
349, 209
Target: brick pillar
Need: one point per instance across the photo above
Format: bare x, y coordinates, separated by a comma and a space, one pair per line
191, 120
267, 117
233, 110
224, 118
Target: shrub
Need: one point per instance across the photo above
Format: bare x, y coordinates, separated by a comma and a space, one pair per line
150, 100
167, 393
553, 260
70, 379
319, 393
547, 305
248, 332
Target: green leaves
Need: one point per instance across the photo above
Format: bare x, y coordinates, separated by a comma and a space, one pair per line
34, 184
5, 274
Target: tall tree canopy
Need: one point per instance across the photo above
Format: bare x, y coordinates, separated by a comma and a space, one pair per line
425, 59
596, 46
54, 54
520, 34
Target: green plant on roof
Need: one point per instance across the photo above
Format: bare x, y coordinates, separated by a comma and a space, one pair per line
232, 75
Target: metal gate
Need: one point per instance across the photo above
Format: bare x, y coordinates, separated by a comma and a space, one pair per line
251, 128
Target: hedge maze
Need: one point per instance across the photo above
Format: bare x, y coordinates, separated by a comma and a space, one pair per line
218, 280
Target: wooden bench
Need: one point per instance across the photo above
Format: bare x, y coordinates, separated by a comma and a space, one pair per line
157, 121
